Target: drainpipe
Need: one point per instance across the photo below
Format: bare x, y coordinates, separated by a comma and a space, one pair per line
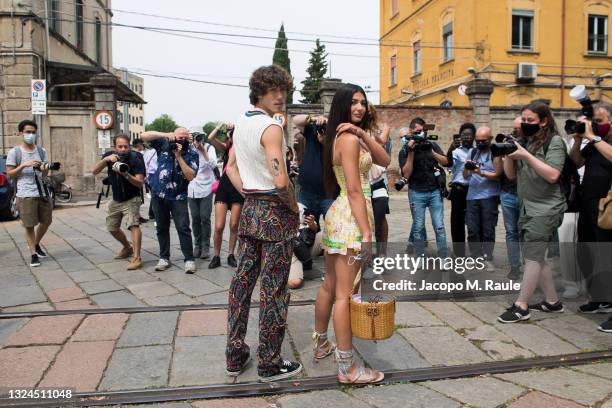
562, 52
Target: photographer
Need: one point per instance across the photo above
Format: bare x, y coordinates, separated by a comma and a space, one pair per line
458, 154
23, 163
537, 170
201, 196
420, 161
177, 165
126, 174
594, 258
306, 245
483, 171
310, 177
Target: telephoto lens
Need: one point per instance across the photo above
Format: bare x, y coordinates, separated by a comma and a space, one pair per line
399, 184
46, 166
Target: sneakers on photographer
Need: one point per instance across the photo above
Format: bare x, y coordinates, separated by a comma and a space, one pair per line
40, 252
162, 265
595, 307
606, 326
190, 267
286, 370
35, 261
544, 306
514, 314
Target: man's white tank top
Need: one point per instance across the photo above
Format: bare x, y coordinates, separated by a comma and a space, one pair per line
250, 154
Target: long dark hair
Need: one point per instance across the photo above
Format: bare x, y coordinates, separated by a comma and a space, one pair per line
340, 112
545, 134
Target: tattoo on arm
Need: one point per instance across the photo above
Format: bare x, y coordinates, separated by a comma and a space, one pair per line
276, 167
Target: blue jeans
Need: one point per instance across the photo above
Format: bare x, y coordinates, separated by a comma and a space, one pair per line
481, 220
180, 215
511, 208
316, 203
419, 201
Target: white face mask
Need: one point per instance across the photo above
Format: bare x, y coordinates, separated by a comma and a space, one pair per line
29, 138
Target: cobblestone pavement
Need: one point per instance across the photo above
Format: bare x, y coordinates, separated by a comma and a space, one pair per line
170, 349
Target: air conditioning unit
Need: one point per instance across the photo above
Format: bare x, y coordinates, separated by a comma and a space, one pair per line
526, 72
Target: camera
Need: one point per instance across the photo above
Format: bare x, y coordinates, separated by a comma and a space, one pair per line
198, 137
184, 145
580, 95
504, 145
470, 165
399, 184
422, 139
121, 167
46, 166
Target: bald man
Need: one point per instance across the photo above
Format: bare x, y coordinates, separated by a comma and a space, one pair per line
177, 165
483, 175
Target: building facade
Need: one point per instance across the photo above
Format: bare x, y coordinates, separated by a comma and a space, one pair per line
529, 49
68, 43
131, 114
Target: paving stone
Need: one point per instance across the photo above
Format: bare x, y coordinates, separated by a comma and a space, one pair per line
163, 405
485, 311
173, 300
434, 343
452, 315
15, 296
500, 350
23, 367
137, 367
171, 275
50, 279
202, 323
402, 396
599, 369
151, 289
46, 330
113, 267
479, 392
197, 287
79, 304
100, 286
23, 278
87, 276
101, 327
393, 353
534, 338
131, 277
10, 326
578, 331
32, 307
116, 299
582, 388
411, 314
198, 361
539, 399
232, 403
65, 294
319, 399
79, 366
144, 329
485, 332
213, 299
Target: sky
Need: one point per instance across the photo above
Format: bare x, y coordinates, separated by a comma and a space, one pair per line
193, 104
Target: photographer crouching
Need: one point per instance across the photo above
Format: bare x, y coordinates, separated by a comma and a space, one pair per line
126, 174
177, 165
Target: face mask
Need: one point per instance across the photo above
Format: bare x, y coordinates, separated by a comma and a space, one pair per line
29, 138
467, 143
603, 129
404, 140
483, 145
530, 129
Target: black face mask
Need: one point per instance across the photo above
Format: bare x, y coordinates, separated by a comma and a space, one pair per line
483, 145
530, 129
124, 157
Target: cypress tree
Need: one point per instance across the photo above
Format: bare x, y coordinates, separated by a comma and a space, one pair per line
317, 68
281, 56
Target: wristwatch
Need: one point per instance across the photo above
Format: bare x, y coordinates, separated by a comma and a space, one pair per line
596, 139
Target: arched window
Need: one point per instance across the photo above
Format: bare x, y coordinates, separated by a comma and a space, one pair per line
98, 41
79, 24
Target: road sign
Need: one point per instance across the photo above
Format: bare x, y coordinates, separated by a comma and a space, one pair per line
103, 120
104, 141
39, 97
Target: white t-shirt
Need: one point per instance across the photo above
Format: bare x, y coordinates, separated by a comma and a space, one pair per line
26, 184
201, 185
380, 192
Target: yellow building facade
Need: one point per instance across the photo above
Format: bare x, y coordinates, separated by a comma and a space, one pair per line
530, 49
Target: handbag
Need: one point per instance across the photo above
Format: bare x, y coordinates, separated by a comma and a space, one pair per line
215, 185
604, 219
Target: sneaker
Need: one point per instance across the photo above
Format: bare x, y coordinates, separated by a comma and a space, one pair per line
606, 326
215, 262
514, 314
515, 273
231, 261
35, 261
190, 267
490, 266
241, 370
571, 291
205, 253
125, 252
40, 252
162, 265
135, 263
544, 306
595, 307
287, 369
197, 252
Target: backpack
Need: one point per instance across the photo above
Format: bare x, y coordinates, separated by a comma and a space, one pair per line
569, 183
18, 154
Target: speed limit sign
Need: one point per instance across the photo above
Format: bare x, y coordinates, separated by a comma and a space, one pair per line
103, 120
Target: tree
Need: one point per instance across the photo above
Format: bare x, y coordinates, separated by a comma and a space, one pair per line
209, 127
163, 123
281, 56
317, 69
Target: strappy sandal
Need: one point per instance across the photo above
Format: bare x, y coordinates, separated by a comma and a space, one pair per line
361, 375
321, 350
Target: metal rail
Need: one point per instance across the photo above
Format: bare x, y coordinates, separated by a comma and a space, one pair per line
296, 385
